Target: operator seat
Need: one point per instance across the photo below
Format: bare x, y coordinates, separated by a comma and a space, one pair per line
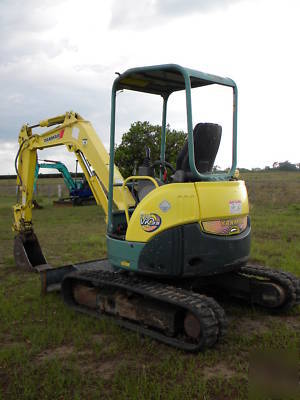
207, 138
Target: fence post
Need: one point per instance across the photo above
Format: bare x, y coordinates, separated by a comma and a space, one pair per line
48, 190
59, 191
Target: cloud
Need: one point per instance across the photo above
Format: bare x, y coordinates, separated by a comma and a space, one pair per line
61, 55
29, 94
24, 26
36, 95
8, 151
144, 14
33, 84
178, 7
97, 68
19, 15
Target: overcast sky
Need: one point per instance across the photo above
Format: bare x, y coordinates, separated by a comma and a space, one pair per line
61, 55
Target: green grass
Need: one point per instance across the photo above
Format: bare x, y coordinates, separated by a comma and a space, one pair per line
50, 352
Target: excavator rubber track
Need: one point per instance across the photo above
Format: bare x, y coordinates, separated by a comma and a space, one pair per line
176, 317
275, 290
289, 283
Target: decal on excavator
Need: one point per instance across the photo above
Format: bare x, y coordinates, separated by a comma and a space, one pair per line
235, 206
56, 136
150, 222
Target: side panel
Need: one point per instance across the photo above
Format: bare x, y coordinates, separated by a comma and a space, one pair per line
178, 204
123, 254
222, 199
188, 251
165, 207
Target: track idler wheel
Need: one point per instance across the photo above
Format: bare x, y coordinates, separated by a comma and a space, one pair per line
271, 288
192, 326
267, 294
267, 287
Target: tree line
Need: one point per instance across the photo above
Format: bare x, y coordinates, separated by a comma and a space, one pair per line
130, 153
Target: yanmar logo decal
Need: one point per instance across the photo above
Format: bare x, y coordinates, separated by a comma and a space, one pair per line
56, 136
150, 222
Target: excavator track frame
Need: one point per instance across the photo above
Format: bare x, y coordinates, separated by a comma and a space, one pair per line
288, 281
255, 284
205, 309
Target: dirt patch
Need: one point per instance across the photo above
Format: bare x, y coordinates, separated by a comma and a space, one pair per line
291, 322
59, 352
9, 341
220, 370
7, 270
247, 326
6, 339
62, 352
103, 369
268, 235
106, 366
99, 338
84, 360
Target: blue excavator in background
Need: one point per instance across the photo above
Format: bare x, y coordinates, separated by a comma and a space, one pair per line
79, 190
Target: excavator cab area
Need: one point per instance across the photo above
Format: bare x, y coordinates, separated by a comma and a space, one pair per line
163, 80
195, 161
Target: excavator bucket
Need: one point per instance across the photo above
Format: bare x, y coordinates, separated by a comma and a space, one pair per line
28, 253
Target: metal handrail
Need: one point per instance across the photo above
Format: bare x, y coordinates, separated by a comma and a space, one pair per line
130, 178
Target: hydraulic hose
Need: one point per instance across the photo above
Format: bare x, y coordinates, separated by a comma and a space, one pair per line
16, 162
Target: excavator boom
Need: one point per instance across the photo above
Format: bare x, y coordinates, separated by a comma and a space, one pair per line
79, 136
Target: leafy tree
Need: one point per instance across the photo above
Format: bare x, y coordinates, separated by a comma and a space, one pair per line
287, 166
132, 150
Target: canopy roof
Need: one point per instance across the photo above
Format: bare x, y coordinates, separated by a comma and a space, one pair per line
165, 79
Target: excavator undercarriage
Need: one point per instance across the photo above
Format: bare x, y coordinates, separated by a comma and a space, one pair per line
174, 316
181, 313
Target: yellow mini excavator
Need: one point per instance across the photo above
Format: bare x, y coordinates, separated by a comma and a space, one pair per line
169, 243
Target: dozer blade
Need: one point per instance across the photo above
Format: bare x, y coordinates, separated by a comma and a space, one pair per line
28, 254
51, 278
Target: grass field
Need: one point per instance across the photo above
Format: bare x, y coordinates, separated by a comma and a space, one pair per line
50, 352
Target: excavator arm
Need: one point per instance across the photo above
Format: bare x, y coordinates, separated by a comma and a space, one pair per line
79, 136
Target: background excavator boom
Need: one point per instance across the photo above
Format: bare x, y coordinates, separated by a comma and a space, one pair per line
59, 166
